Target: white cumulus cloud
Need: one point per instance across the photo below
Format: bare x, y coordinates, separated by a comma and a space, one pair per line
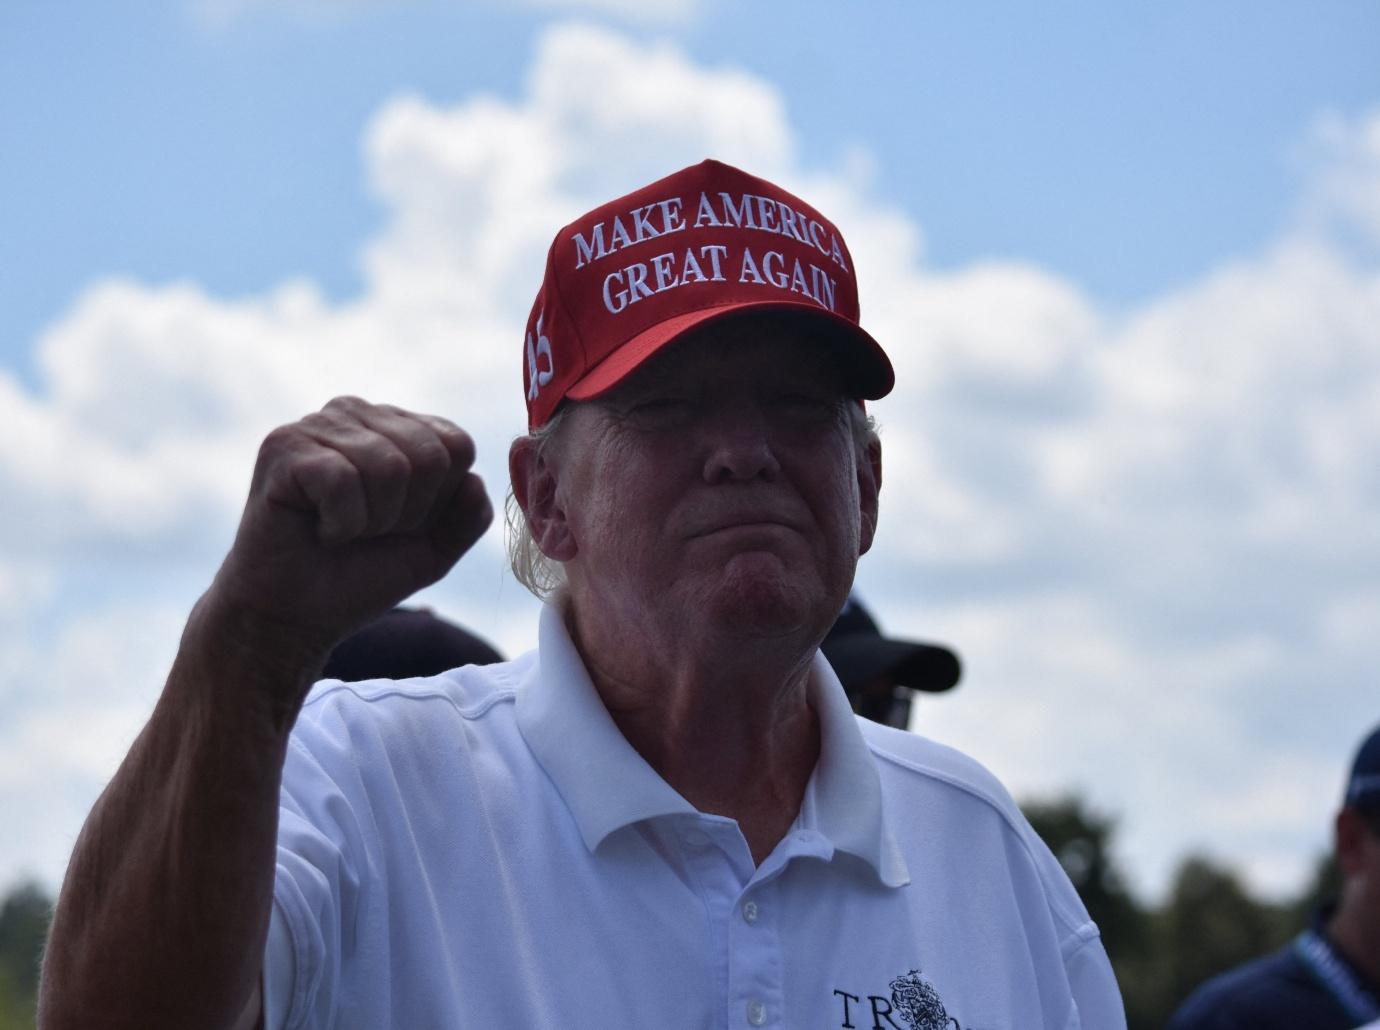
1146, 532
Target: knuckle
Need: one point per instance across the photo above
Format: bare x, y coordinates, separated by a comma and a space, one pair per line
336, 476
391, 466
325, 422
279, 439
460, 444
430, 456
346, 402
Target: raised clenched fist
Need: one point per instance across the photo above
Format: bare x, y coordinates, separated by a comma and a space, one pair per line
350, 510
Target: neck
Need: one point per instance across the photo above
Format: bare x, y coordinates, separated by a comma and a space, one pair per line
1357, 940
729, 727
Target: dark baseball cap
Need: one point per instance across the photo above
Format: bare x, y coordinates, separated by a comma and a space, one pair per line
1363, 785
406, 642
859, 654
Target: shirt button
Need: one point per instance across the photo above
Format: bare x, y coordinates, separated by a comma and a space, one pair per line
750, 911
756, 1012
697, 838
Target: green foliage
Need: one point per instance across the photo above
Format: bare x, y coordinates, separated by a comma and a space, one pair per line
1208, 923
24, 918
1081, 839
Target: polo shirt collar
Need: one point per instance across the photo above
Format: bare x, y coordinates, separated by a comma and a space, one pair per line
607, 785
844, 796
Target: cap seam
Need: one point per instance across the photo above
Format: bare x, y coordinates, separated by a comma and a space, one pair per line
565, 307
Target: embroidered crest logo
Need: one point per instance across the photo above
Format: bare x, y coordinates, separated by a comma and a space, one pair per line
537, 375
917, 1002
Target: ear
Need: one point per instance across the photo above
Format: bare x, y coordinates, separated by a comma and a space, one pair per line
869, 487
1350, 834
534, 478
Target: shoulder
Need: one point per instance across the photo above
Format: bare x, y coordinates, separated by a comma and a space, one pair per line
470, 690
920, 762
340, 714
1273, 991
942, 783
935, 793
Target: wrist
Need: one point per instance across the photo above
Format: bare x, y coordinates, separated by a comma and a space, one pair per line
244, 665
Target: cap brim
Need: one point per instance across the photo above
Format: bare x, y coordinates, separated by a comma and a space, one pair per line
868, 365
860, 658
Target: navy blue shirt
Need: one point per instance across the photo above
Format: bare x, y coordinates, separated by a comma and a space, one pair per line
1287, 990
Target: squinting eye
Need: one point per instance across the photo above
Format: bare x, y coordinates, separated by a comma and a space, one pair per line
661, 405
656, 411
805, 403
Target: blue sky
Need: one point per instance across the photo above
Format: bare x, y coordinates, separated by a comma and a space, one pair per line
1126, 146
1126, 258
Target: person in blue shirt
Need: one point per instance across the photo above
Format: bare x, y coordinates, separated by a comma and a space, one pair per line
1327, 978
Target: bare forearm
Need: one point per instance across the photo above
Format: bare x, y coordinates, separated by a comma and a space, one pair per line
164, 911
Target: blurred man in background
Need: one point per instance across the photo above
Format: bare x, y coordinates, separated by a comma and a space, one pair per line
406, 642
1327, 978
880, 673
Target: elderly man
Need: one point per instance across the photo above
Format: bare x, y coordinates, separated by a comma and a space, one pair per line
664, 816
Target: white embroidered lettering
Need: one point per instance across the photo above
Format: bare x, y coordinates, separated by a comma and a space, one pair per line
671, 220
741, 215
705, 215
618, 301
538, 376
749, 272
587, 252
714, 252
666, 278
618, 235
690, 270
771, 269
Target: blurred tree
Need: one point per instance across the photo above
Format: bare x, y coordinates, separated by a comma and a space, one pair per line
1082, 840
24, 918
16, 1012
1322, 889
1210, 923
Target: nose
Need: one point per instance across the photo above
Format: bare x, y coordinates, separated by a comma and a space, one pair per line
740, 451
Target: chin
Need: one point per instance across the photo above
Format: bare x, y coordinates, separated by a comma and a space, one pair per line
759, 596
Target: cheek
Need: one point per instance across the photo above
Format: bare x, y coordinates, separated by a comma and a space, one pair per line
842, 500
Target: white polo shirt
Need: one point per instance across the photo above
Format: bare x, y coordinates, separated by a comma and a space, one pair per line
484, 849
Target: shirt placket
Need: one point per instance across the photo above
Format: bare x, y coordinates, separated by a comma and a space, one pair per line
756, 995
742, 924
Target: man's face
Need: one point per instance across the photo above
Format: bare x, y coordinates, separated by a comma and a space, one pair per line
1359, 856
720, 481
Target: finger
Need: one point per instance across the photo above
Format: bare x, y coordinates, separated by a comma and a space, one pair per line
432, 463
295, 473
460, 518
382, 468
333, 488
456, 440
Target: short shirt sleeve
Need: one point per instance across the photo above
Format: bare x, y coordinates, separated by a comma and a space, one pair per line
316, 892
1094, 988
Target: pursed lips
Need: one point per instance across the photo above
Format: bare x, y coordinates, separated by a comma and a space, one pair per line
743, 521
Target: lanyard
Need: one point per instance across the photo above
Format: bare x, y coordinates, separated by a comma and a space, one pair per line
1319, 958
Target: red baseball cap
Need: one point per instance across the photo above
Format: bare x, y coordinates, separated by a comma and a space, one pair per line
708, 242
